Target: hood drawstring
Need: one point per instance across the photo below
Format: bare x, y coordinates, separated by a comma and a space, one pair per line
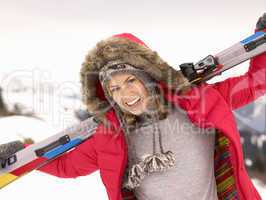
156, 162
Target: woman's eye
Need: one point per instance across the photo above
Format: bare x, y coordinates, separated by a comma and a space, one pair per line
114, 89
131, 80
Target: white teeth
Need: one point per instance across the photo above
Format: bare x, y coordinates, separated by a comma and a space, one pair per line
133, 102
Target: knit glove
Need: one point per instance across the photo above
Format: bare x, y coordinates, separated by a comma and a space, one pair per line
261, 23
8, 149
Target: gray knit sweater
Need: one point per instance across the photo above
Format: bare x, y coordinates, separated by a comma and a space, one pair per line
192, 177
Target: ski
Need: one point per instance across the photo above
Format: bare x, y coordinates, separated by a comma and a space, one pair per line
212, 66
41, 153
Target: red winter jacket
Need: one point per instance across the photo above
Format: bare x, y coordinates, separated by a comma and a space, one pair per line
208, 105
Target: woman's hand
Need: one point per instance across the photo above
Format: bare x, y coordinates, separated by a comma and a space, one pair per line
8, 149
261, 23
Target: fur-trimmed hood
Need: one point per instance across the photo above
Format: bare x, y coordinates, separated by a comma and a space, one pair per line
129, 49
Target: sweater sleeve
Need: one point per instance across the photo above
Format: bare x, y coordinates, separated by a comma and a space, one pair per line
241, 90
80, 161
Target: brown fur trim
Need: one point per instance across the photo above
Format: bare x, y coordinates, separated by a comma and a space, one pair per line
116, 48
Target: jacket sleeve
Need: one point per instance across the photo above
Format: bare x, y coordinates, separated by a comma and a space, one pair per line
80, 161
241, 90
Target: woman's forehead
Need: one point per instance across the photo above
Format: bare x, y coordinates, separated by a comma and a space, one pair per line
119, 78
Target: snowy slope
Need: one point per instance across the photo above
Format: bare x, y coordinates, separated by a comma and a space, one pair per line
260, 187
15, 127
49, 101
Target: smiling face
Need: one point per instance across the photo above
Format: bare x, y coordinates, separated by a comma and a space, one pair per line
129, 93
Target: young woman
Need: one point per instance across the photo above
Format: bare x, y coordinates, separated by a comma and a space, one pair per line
155, 141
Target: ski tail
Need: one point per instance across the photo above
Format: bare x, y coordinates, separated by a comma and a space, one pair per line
7, 179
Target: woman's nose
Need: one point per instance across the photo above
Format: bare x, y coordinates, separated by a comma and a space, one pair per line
127, 92
124, 92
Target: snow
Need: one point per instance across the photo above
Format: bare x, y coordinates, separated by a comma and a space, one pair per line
52, 102
47, 187
16, 127
261, 188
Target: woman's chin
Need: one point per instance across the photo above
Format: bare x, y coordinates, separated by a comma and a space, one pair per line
135, 111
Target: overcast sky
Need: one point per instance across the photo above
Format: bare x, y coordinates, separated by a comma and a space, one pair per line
53, 36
